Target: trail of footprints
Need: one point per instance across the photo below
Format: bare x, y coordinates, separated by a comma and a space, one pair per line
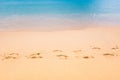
59, 54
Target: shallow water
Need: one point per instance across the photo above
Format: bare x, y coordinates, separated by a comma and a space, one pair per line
57, 15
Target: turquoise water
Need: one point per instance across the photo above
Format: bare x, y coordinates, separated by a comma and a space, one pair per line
57, 14
26, 7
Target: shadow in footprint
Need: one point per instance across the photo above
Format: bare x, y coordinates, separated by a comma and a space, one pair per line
61, 56
88, 57
108, 54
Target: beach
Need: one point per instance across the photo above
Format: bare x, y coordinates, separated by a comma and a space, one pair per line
91, 53
59, 39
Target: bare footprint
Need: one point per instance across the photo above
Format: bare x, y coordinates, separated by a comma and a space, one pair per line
115, 48
108, 54
77, 51
35, 56
57, 51
62, 56
10, 56
97, 48
88, 57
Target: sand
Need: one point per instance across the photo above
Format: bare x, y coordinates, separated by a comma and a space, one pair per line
84, 54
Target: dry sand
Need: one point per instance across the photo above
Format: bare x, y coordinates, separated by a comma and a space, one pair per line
86, 54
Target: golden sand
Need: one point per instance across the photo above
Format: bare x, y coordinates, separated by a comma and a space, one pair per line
86, 54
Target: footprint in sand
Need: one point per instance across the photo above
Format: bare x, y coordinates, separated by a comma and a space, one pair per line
88, 57
111, 54
115, 48
96, 48
77, 51
34, 56
10, 56
57, 51
108, 54
61, 56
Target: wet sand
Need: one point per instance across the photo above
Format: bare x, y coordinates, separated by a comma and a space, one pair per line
87, 54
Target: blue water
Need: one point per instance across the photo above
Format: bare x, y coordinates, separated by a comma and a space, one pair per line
33, 7
57, 14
